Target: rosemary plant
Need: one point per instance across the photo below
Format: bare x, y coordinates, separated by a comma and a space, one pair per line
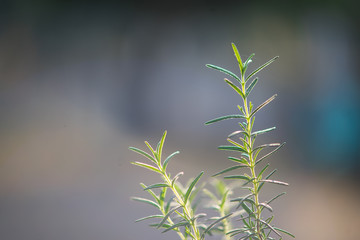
255, 226
178, 210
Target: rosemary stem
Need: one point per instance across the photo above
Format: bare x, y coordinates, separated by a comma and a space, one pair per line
252, 162
185, 207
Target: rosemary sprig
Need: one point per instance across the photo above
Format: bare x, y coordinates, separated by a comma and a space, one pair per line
255, 227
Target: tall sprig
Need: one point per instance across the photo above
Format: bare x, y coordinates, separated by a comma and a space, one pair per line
177, 213
243, 142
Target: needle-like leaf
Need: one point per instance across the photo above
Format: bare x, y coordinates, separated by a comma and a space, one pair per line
144, 200
263, 105
250, 87
238, 58
271, 227
149, 217
157, 185
161, 145
168, 215
275, 182
229, 169
236, 88
240, 160
166, 162
263, 131
284, 231
147, 166
192, 185
267, 155
224, 71
277, 196
176, 177
246, 63
145, 154
261, 67
213, 224
232, 148
224, 118
180, 224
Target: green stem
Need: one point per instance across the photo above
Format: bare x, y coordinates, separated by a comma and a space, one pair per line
226, 223
252, 163
188, 212
172, 223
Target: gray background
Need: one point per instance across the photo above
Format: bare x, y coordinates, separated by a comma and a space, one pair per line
80, 81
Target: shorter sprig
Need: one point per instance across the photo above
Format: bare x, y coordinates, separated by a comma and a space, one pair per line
177, 213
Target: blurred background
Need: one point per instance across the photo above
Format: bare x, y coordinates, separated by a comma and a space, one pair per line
80, 81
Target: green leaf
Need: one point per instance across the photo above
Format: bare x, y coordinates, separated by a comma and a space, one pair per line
250, 180
250, 87
232, 148
229, 169
274, 182
156, 185
161, 145
263, 131
267, 155
144, 200
224, 71
143, 153
192, 185
167, 216
167, 207
238, 58
179, 188
277, 196
246, 63
284, 231
236, 231
180, 224
147, 166
152, 150
176, 177
247, 209
240, 160
261, 67
162, 197
271, 227
149, 217
267, 206
270, 174
242, 177
269, 219
267, 177
223, 199
213, 224
267, 145
166, 162
247, 237
224, 118
193, 195
151, 192
164, 225
262, 171
236, 88
242, 199
263, 105
236, 144
199, 215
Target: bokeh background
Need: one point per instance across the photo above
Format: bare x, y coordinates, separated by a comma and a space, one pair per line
80, 81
